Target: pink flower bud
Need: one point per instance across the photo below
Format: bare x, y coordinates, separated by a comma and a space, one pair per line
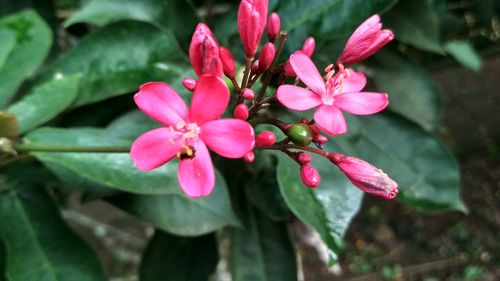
366, 40
273, 27
266, 56
189, 84
309, 46
265, 138
249, 157
241, 111
315, 130
310, 176
365, 176
255, 67
304, 158
204, 52
248, 94
252, 18
288, 69
228, 64
320, 139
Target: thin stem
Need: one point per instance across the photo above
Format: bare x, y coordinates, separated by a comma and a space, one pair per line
270, 72
235, 85
275, 122
293, 146
246, 75
75, 149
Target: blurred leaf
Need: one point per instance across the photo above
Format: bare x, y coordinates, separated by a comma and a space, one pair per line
174, 15
411, 91
464, 53
417, 23
7, 43
172, 258
45, 102
131, 125
40, 246
178, 214
33, 41
8, 125
118, 58
262, 251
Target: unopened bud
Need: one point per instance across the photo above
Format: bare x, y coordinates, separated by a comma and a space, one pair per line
228, 64
320, 139
310, 176
189, 84
265, 138
288, 69
248, 94
252, 20
241, 111
249, 157
315, 129
255, 67
266, 56
273, 27
309, 46
304, 158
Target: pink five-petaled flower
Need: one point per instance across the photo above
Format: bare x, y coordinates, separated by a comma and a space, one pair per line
187, 133
366, 40
341, 92
204, 52
252, 20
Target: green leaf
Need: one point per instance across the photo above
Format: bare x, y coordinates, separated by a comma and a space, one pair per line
173, 258
33, 39
464, 53
411, 91
118, 58
417, 23
178, 214
40, 246
262, 251
8, 125
7, 43
174, 15
45, 102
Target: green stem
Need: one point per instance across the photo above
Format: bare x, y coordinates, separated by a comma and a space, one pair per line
270, 71
76, 149
246, 74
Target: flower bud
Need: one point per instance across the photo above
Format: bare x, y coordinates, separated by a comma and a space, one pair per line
252, 19
320, 139
365, 176
288, 69
228, 64
249, 157
303, 158
204, 52
310, 176
241, 111
266, 56
300, 134
309, 46
189, 84
255, 67
265, 138
273, 27
248, 94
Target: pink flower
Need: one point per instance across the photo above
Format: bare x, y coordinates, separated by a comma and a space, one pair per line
204, 52
187, 133
341, 92
366, 40
252, 20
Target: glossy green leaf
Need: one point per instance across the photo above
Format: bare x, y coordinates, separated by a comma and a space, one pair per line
45, 102
39, 245
118, 58
464, 53
8, 125
411, 91
176, 213
33, 39
262, 251
173, 258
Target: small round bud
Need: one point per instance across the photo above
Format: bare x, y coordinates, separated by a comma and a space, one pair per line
241, 111
265, 138
255, 67
273, 27
189, 84
315, 130
288, 69
304, 158
266, 56
248, 94
228, 64
320, 139
304, 121
300, 134
310, 176
309, 46
249, 157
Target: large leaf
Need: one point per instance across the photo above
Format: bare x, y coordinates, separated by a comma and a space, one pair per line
411, 91
262, 251
464, 53
45, 102
173, 258
33, 39
118, 58
176, 213
39, 245
7, 43
179, 16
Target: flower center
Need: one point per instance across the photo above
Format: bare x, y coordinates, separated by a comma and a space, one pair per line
187, 134
334, 82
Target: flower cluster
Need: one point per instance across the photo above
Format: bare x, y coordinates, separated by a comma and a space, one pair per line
189, 133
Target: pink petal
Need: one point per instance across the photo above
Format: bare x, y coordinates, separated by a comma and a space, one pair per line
297, 98
210, 99
307, 72
362, 103
154, 148
160, 102
330, 120
197, 176
354, 82
231, 138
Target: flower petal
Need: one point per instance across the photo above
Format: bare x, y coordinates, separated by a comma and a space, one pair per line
154, 148
297, 98
231, 138
330, 119
197, 176
362, 103
307, 72
210, 99
353, 82
160, 102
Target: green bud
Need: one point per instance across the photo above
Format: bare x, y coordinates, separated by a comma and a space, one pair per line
301, 134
